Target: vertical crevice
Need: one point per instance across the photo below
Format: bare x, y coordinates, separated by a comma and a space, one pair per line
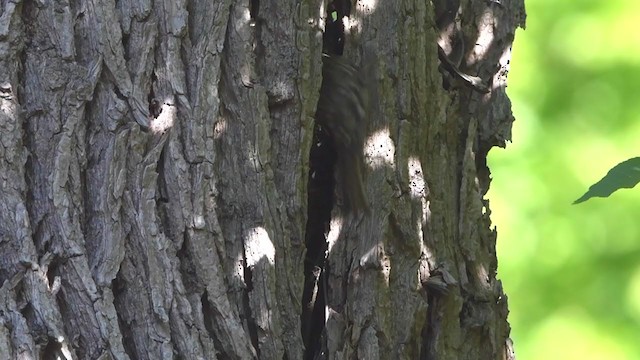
320, 197
246, 304
333, 39
320, 202
254, 9
30, 111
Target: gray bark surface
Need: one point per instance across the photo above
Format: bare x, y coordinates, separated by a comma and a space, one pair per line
154, 168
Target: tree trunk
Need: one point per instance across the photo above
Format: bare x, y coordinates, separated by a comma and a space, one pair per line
165, 192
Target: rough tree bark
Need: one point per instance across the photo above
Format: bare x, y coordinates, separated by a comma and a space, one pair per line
164, 194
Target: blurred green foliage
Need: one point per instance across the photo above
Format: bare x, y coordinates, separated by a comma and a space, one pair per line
571, 272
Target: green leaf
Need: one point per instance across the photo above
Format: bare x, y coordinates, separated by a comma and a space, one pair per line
624, 175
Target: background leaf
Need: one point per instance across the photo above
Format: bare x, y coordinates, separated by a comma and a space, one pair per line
624, 175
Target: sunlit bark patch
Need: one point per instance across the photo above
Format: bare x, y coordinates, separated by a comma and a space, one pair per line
165, 119
380, 149
259, 245
416, 178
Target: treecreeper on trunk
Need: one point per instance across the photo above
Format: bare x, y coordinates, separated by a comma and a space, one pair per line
344, 110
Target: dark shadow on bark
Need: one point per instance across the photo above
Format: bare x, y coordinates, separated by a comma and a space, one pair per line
120, 288
246, 304
53, 350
